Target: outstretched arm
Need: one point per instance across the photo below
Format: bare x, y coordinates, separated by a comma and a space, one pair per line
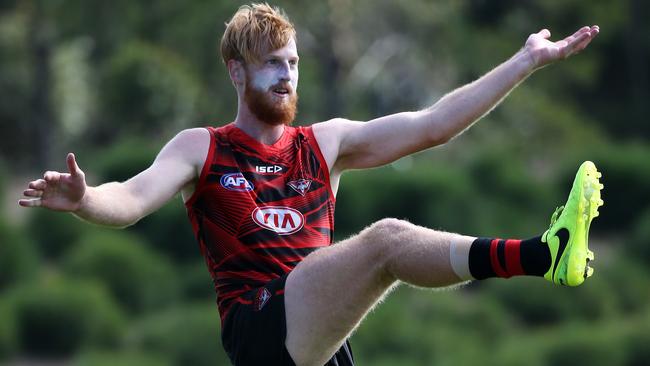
353, 145
120, 204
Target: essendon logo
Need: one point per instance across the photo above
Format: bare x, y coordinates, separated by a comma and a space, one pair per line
236, 182
301, 185
261, 298
279, 219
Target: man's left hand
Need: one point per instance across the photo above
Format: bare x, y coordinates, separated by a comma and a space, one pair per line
543, 51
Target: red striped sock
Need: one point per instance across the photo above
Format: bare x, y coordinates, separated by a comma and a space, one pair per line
506, 258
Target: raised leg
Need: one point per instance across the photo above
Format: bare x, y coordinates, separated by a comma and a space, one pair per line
331, 291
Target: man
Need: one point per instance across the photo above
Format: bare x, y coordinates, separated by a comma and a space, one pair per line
260, 196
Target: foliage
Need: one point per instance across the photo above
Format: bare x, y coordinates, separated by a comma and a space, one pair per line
138, 278
170, 233
112, 81
18, 257
8, 334
639, 247
57, 317
105, 358
149, 89
54, 233
440, 327
196, 282
3, 180
122, 161
476, 198
626, 183
186, 335
582, 346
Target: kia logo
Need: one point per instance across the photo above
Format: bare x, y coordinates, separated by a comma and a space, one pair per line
279, 219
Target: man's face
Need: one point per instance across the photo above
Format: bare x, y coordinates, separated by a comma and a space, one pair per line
271, 84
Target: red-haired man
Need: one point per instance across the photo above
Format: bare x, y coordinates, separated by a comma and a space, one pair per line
260, 196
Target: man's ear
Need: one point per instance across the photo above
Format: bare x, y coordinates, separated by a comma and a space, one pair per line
237, 72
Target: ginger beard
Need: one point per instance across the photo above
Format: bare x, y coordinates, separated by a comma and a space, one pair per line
269, 108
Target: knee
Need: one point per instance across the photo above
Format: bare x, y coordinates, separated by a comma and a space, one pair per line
382, 242
384, 234
388, 226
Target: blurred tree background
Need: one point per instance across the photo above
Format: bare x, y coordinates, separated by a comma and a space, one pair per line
113, 81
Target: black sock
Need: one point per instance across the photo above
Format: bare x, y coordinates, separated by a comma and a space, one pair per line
506, 258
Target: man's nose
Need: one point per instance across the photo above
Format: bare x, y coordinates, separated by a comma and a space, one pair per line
285, 71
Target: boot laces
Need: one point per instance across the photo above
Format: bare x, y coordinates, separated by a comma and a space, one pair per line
556, 214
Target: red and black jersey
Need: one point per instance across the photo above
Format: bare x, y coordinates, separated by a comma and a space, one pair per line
258, 210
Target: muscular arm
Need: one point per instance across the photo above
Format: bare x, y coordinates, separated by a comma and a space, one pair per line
120, 204
353, 145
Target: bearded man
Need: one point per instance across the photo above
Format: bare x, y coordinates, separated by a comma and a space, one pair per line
260, 196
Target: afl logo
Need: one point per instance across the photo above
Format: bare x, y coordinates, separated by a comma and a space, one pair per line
279, 219
236, 182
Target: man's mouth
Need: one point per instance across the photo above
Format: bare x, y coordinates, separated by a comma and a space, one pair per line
281, 92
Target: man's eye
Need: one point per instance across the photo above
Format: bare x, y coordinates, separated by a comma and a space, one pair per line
272, 62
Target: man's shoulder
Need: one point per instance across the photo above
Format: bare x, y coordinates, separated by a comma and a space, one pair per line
195, 134
192, 144
333, 123
332, 128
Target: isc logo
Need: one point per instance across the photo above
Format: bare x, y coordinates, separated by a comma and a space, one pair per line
282, 220
236, 182
268, 169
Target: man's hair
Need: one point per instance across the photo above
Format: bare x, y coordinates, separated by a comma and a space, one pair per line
255, 30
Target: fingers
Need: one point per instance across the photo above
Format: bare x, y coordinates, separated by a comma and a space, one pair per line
577, 33
592, 30
73, 168
571, 44
544, 33
35, 202
33, 193
38, 184
580, 34
580, 39
51, 177
582, 45
39, 192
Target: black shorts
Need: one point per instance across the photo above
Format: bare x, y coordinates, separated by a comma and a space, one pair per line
254, 334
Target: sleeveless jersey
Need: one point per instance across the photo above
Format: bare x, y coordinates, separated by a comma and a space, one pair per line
258, 210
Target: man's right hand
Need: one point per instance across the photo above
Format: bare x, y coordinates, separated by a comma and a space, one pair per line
120, 204
57, 191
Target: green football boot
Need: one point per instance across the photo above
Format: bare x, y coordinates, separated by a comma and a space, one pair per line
568, 233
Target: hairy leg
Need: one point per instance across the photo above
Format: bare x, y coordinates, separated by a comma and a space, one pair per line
330, 292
